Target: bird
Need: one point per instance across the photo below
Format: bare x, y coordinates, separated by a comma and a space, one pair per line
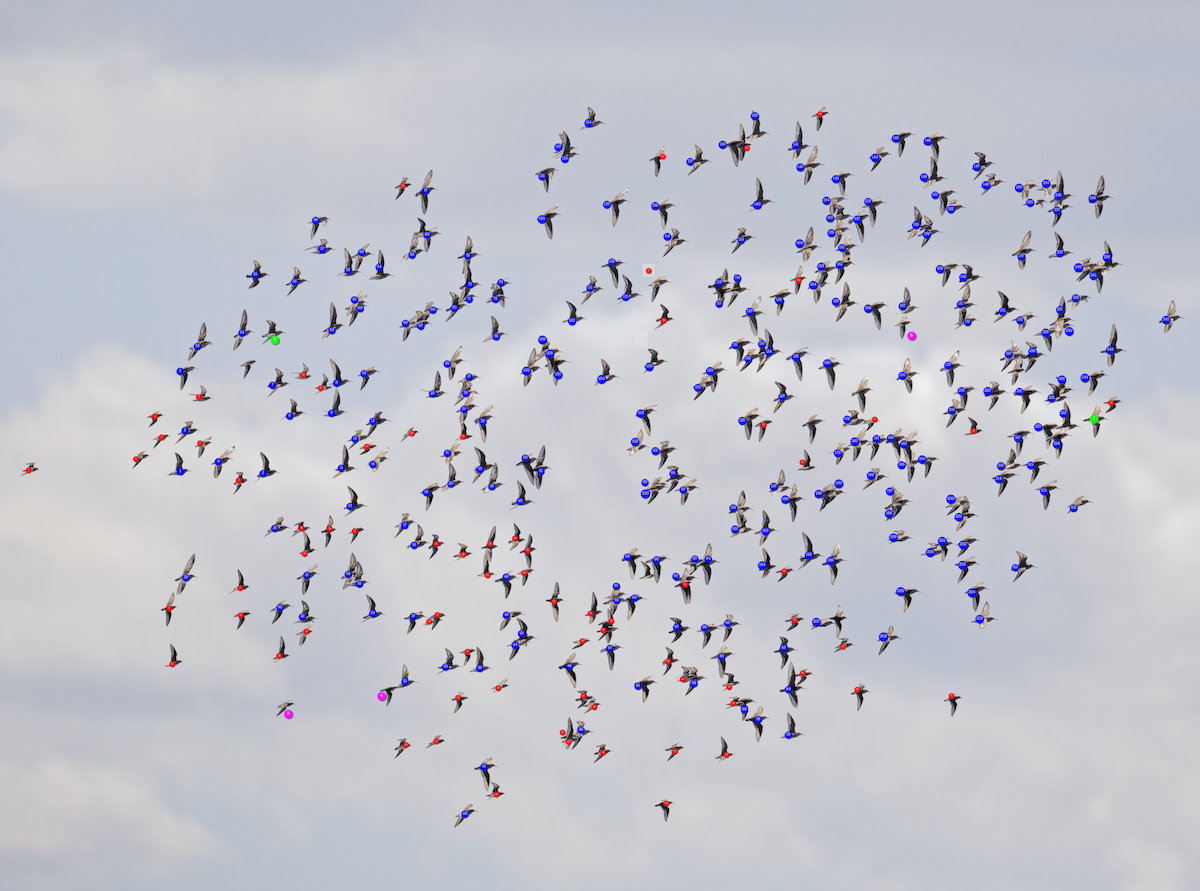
616, 203
1024, 249
859, 692
658, 157
257, 275
984, 616
725, 753
886, 637
547, 218
1022, 564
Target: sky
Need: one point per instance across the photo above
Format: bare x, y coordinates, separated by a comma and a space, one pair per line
149, 153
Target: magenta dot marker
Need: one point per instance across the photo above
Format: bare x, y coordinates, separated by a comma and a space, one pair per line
288, 713
912, 335
382, 696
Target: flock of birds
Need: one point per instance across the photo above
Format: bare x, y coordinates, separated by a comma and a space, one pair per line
848, 228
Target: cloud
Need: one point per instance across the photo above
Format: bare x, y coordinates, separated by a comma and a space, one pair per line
106, 121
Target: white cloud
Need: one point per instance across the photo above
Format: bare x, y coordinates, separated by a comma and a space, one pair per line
105, 121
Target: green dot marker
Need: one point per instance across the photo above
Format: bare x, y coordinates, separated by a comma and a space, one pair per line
1095, 419
275, 339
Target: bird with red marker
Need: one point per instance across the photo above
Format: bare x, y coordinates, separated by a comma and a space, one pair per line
859, 692
169, 608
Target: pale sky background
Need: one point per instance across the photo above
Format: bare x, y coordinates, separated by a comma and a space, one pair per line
149, 153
